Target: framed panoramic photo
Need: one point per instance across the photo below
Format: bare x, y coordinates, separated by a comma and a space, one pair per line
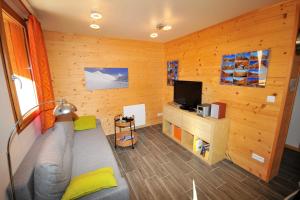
245, 69
105, 78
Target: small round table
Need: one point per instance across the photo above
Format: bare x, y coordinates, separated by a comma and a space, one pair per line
125, 138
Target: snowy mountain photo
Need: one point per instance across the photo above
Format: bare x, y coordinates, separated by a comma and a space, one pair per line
106, 78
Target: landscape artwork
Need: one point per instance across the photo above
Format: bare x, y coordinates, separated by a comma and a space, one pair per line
172, 67
106, 78
245, 69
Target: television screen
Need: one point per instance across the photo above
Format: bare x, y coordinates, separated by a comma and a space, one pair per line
187, 93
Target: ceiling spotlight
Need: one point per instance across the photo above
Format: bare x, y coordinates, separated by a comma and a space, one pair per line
95, 15
94, 26
153, 35
167, 27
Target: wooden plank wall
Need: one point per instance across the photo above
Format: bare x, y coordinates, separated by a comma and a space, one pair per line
283, 127
253, 125
69, 54
254, 122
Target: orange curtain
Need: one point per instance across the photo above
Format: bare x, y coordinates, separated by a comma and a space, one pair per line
41, 71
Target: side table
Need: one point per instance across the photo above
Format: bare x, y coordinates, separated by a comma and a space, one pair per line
125, 138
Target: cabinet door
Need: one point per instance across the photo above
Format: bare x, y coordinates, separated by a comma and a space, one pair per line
172, 115
189, 123
203, 130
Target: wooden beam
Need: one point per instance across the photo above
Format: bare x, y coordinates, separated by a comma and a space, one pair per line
19, 7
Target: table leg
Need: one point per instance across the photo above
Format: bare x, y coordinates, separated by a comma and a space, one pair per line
131, 136
133, 122
115, 136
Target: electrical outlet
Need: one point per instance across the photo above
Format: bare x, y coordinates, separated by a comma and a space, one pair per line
159, 114
271, 99
258, 158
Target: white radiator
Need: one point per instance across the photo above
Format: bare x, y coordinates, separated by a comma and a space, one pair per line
138, 111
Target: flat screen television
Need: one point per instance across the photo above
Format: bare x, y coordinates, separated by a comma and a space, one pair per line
188, 94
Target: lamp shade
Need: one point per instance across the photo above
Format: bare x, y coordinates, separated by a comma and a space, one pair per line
64, 108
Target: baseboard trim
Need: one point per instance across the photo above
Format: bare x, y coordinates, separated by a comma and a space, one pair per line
292, 148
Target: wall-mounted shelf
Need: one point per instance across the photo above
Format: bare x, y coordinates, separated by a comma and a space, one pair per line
191, 127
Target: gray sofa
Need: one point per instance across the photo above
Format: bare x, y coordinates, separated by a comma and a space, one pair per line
60, 154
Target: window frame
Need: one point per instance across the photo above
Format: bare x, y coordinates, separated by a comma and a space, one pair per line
25, 121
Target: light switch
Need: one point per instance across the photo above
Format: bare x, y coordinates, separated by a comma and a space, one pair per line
271, 99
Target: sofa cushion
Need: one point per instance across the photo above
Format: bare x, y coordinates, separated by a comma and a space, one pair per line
91, 147
52, 172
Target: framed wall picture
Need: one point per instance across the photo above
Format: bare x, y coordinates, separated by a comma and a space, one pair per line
172, 72
245, 69
105, 78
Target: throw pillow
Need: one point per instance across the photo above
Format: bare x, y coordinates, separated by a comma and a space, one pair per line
90, 182
85, 123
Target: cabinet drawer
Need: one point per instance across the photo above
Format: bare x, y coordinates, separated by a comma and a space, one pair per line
172, 115
188, 124
203, 130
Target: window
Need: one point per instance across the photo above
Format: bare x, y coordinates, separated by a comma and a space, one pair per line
23, 90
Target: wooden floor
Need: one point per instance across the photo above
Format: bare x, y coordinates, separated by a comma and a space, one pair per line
158, 168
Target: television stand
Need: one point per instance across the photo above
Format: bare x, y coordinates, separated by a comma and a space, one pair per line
188, 129
188, 108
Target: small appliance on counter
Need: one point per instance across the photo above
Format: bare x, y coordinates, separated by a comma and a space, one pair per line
203, 110
218, 110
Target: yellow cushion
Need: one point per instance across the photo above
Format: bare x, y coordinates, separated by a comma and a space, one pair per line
84, 123
90, 182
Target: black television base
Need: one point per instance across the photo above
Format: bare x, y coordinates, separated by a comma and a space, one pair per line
188, 108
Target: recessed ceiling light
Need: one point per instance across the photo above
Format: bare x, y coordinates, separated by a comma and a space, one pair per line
153, 35
167, 27
94, 26
96, 15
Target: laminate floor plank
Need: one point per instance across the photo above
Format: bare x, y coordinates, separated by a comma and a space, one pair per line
181, 178
200, 194
141, 148
205, 186
176, 191
199, 165
160, 146
159, 168
142, 166
185, 168
160, 156
126, 162
243, 188
282, 189
263, 189
232, 170
137, 183
204, 171
181, 152
234, 192
164, 139
157, 188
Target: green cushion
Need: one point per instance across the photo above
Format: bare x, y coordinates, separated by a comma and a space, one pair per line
85, 123
89, 183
